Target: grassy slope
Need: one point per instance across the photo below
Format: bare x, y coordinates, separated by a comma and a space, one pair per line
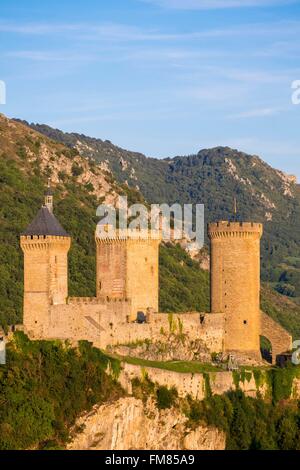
192, 367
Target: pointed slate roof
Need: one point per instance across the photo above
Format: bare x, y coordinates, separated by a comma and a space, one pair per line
45, 223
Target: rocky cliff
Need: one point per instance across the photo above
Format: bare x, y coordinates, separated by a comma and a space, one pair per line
128, 424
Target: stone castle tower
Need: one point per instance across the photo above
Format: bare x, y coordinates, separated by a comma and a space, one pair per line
45, 245
127, 267
235, 282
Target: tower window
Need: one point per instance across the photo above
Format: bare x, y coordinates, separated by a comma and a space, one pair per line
245, 322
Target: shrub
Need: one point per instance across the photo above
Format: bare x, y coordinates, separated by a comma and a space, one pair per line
76, 169
166, 398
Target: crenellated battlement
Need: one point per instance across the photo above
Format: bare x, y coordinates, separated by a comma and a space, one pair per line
223, 229
42, 242
95, 300
121, 235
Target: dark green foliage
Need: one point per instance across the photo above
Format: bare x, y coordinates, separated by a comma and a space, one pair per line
143, 389
208, 391
70, 153
18, 199
290, 278
62, 175
43, 388
286, 289
89, 187
265, 344
183, 285
165, 397
249, 424
76, 169
282, 381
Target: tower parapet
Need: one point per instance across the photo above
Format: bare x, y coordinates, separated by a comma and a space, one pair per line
235, 282
234, 229
115, 235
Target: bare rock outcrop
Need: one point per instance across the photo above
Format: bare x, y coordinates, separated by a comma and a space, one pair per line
129, 424
174, 347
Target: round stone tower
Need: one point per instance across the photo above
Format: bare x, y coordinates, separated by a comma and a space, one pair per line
235, 282
45, 245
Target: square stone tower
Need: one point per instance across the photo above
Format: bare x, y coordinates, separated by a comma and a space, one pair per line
45, 245
235, 282
127, 267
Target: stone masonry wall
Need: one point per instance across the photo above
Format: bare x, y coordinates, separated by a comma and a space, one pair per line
107, 323
188, 383
280, 339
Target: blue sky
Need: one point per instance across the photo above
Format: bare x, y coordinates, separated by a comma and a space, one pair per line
164, 77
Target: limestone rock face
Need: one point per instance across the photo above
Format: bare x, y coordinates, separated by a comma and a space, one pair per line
204, 439
128, 424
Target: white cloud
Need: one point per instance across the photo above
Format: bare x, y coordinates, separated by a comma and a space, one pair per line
37, 28
122, 32
216, 4
48, 56
214, 94
262, 112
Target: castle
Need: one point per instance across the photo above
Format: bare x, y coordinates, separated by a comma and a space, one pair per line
127, 288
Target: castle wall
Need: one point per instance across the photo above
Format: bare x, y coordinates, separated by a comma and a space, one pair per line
107, 323
235, 282
193, 384
95, 320
280, 339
